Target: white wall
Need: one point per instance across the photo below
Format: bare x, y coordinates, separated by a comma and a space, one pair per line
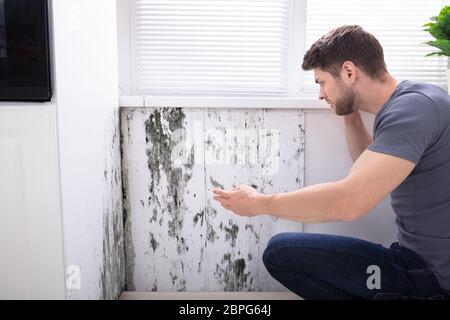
327, 159
123, 34
85, 52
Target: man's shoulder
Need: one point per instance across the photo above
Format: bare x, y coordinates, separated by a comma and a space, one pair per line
418, 93
412, 98
408, 109
408, 104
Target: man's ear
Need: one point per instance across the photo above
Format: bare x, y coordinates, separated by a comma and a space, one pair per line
348, 71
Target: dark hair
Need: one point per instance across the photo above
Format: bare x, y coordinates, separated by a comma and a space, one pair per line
346, 43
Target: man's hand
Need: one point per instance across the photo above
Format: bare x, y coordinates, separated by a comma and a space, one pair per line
242, 200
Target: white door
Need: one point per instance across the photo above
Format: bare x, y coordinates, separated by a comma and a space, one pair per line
31, 248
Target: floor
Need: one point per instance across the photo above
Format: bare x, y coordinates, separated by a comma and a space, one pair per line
133, 295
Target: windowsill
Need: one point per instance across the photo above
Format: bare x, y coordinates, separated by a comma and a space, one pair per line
307, 102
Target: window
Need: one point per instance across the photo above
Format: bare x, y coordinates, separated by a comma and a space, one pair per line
255, 48
211, 47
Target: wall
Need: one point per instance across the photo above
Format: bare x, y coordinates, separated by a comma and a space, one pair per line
327, 159
177, 237
85, 57
123, 36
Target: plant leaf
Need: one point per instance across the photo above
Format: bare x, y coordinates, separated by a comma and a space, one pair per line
443, 24
442, 44
437, 32
444, 11
438, 53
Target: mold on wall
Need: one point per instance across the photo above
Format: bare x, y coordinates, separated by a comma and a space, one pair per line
129, 254
112, 273
177, 238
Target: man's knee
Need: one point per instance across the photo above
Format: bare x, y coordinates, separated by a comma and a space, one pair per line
276, 244
289, 248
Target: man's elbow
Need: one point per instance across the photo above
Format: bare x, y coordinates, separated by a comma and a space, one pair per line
352, 213
353, 208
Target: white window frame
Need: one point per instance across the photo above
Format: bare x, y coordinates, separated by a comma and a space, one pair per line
297, 47
296, 97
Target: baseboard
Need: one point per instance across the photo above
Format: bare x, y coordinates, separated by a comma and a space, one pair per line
138, 295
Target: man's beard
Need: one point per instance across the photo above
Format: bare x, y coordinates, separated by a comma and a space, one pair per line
345, 104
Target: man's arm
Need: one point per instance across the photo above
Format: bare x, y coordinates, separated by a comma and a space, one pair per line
356, 134
371, 178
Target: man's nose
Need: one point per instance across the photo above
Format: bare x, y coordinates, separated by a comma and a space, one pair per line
321, 96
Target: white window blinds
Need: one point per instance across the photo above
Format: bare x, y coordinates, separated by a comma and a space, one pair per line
397, 24
210, 47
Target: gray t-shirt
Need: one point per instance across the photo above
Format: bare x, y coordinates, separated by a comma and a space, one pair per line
414, 124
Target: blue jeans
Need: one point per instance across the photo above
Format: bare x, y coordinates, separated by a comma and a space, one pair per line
319, 266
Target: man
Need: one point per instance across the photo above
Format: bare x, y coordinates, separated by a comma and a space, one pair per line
408, 157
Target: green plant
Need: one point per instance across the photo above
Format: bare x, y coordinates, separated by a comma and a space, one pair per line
440, 30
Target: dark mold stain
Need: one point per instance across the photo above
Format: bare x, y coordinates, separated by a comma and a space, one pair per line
211, 211
181, 245
216, 184
199, 267
302, 130
298, 154
153, 243
159, 161
213, 147
112, 273
173, 277
182, 285
208, 141
231, 232
211, 234
116, 176
252, 230
231, 273
115, 267
154, 216
164, 131
210, 214
130, 254
199, 216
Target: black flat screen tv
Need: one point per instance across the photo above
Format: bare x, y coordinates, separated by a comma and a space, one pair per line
24, 51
